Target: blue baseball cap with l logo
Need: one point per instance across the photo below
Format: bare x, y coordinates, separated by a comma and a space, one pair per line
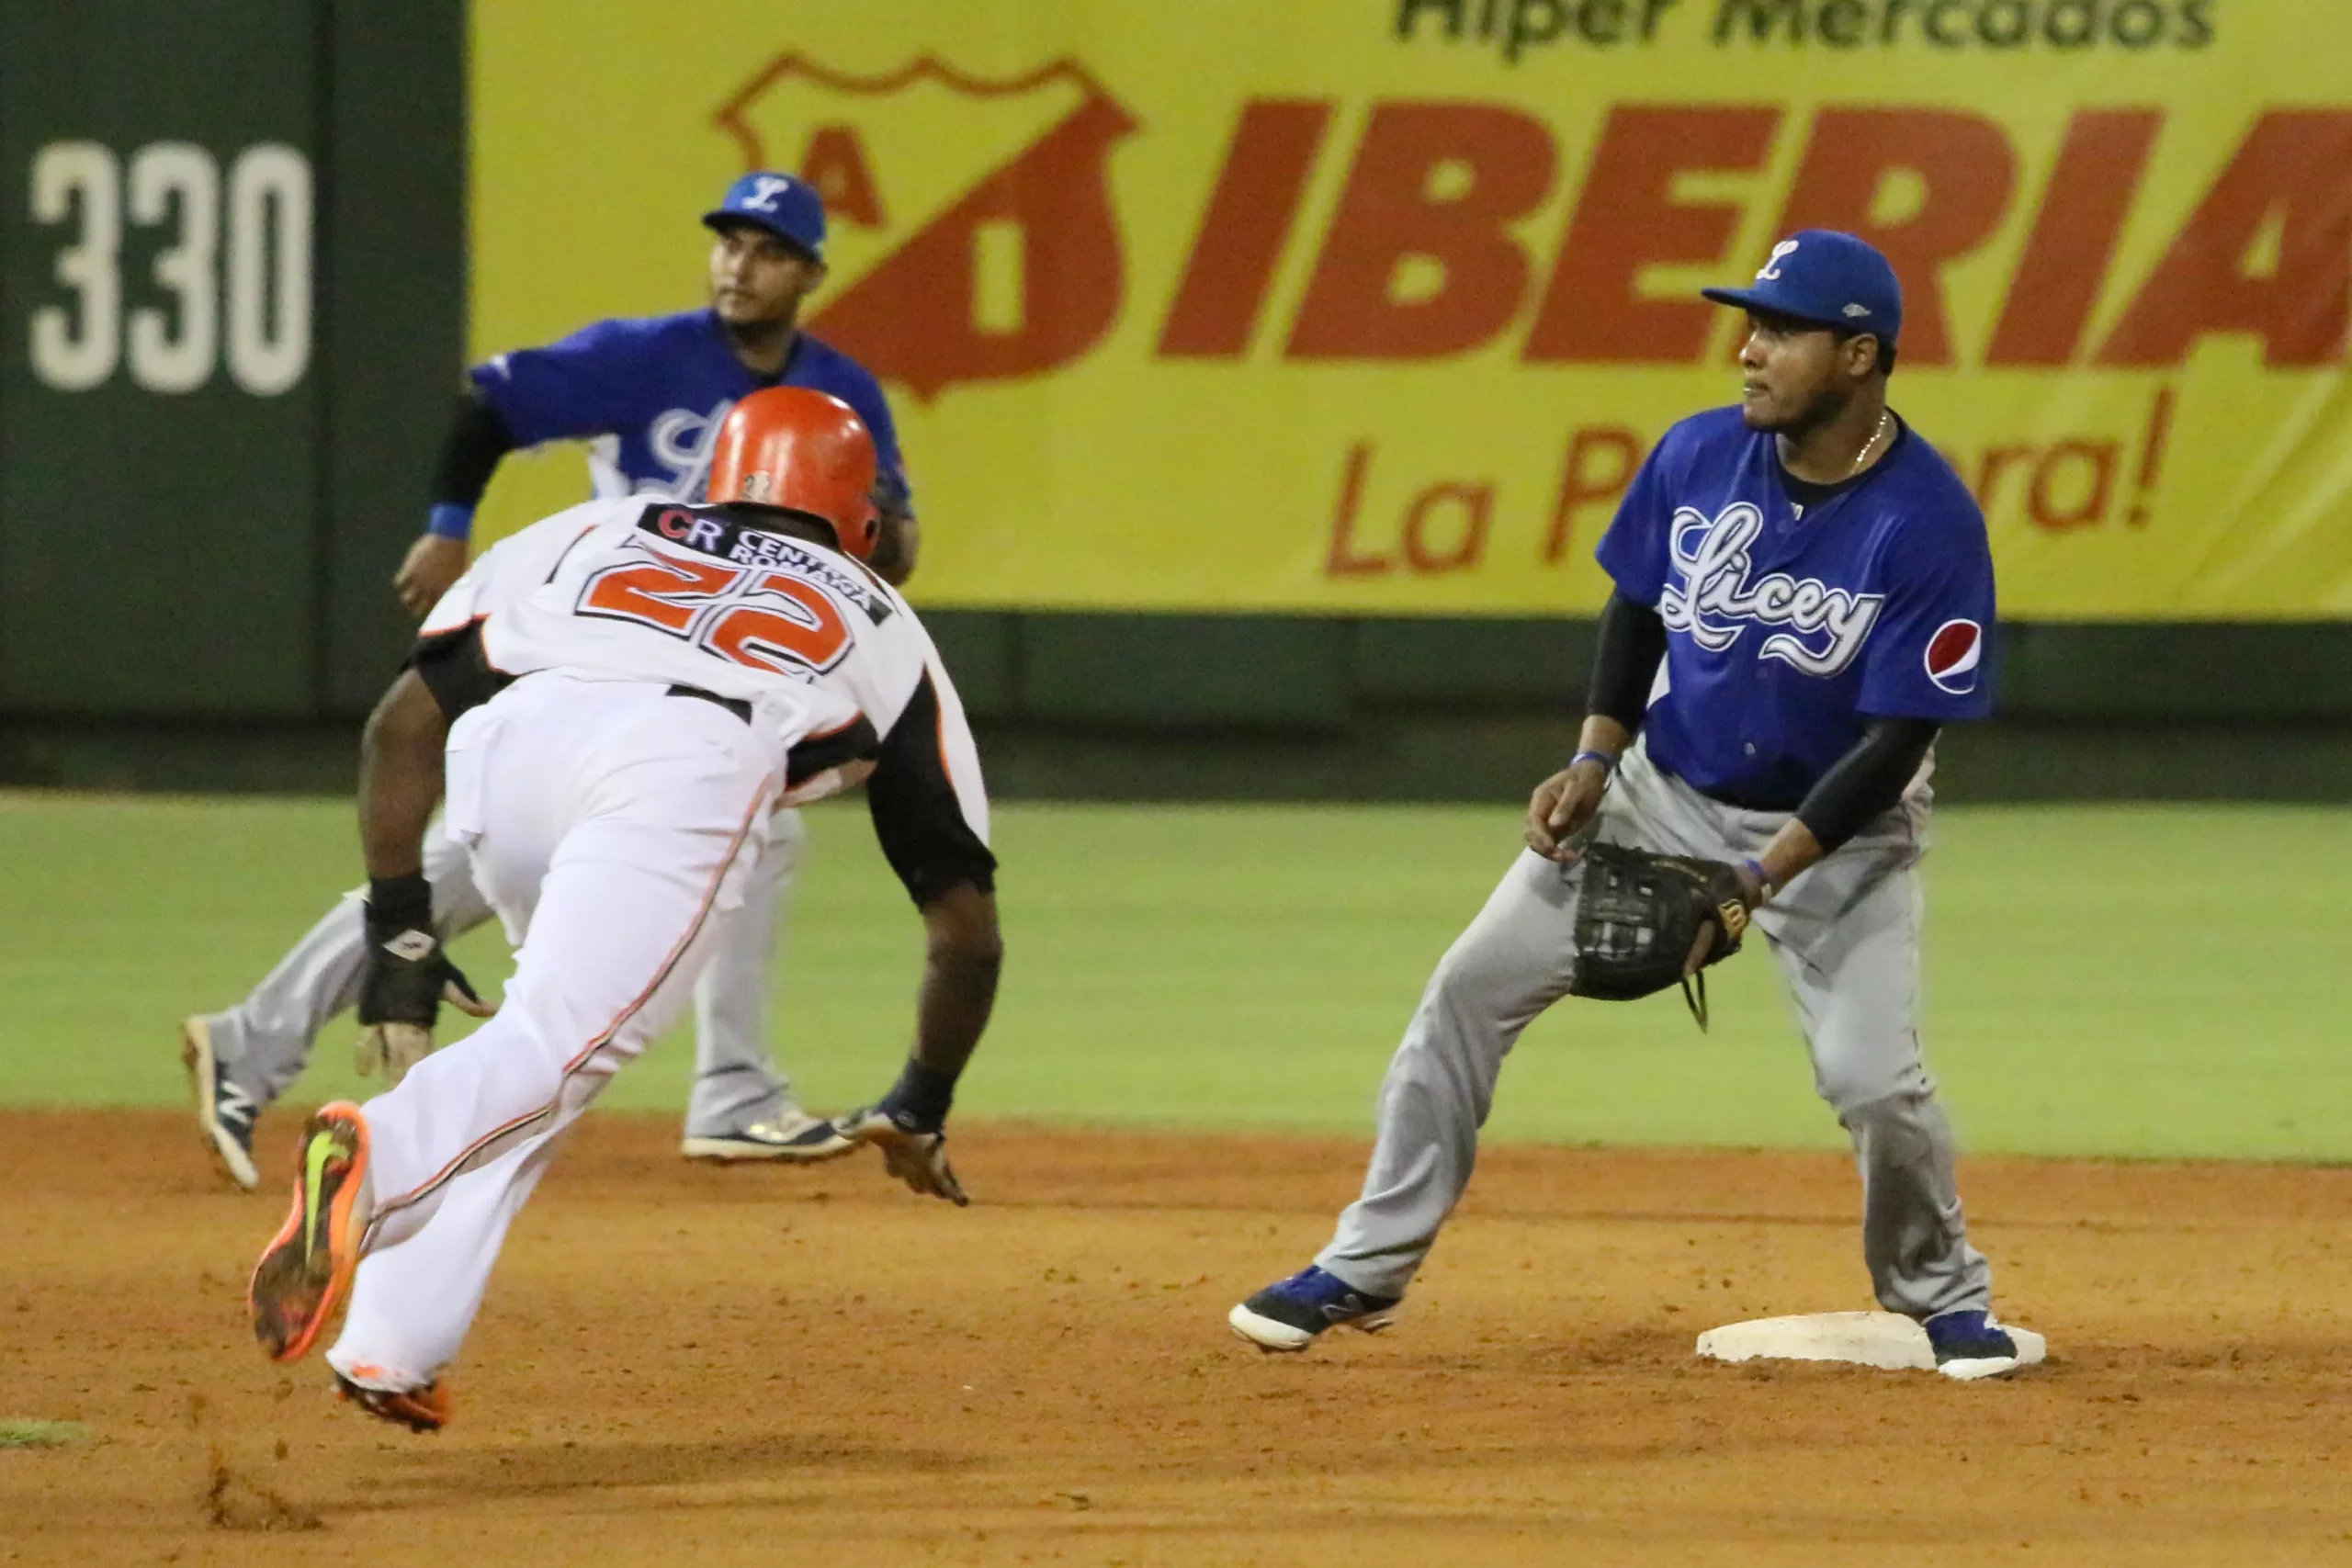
1829, 277
785, 206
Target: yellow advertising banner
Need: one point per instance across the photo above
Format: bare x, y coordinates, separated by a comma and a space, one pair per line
1356, 305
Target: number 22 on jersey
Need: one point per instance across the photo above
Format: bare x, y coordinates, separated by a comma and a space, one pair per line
768, 620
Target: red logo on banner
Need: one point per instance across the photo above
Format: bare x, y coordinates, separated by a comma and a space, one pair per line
1953, 654
1008, 260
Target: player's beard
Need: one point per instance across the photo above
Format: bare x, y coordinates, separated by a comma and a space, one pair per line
765, 337
754, 316
1817, 411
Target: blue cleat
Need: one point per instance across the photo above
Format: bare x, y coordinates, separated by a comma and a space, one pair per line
1970, 1344
1289, 1313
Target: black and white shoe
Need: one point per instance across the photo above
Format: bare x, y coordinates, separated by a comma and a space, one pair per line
794, 1137
224, 1113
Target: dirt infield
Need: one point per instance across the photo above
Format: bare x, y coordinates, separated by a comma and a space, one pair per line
686, 1365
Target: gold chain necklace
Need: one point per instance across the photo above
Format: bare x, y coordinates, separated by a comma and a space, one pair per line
1883, 415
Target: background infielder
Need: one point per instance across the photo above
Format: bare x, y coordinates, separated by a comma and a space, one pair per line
626, 691
654, 392
1803, 591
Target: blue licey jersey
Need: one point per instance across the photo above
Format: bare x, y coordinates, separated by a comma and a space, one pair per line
656, 387
1789, 627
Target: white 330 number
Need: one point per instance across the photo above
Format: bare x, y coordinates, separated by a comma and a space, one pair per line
267, 293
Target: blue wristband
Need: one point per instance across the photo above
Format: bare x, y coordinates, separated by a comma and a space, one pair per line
451, 520
1763, 881
1608, 764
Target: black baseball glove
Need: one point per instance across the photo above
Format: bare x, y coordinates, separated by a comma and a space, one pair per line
1647, 921
407, 978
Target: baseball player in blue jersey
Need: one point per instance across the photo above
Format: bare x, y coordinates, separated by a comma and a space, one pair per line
652, 393
1802, 592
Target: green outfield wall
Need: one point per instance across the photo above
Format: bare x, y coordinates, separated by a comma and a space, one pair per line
1128, 708
231, 313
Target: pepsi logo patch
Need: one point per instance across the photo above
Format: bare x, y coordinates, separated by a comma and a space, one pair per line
1953, 655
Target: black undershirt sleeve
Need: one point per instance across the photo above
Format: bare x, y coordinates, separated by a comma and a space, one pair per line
834, 748
1625, 665
917, 817
477, 439
457, 670
1867, 780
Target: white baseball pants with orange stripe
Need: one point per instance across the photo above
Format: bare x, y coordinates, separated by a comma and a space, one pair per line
613, 827
264, 1041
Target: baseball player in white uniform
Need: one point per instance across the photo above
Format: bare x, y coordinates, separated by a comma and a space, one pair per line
625, 695
653, 391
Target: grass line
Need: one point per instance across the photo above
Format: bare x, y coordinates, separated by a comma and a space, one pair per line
2090, 987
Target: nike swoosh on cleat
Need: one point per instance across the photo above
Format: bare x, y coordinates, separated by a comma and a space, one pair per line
314, 1163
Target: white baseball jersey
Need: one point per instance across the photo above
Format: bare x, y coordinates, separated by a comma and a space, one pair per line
718, 602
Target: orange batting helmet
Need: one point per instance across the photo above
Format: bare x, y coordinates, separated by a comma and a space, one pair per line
802, 451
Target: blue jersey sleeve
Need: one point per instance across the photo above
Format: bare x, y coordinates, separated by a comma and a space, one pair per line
581, 386
1931, 655
893, 492
1637, 549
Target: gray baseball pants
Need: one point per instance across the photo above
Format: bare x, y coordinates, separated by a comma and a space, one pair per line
1845, 936
264, 1041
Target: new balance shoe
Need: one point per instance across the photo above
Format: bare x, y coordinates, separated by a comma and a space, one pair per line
224, 1113
794, 1137
425, 1409
305, 1272
1970, 1343
1289, 1313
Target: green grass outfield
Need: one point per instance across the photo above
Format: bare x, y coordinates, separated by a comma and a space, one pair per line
2101, 981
